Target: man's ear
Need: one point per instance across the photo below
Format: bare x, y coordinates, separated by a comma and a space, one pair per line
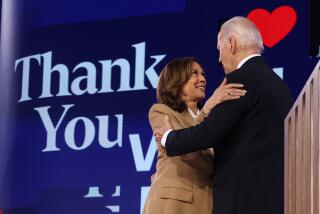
233, 44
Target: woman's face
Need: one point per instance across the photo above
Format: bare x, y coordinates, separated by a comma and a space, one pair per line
194, 89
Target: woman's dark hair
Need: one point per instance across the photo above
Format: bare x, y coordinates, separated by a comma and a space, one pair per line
172, 78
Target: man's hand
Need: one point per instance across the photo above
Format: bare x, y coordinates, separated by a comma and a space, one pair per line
158, 133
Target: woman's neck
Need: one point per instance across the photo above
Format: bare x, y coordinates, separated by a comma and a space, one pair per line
193, 106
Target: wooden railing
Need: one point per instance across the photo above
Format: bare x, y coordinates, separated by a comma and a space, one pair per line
302, 150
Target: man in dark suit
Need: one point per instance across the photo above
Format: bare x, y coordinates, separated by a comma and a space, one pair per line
247, 134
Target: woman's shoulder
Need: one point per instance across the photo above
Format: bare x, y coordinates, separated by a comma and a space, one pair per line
157, 113
161, 108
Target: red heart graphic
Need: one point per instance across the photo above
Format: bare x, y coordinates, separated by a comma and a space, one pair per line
275, 26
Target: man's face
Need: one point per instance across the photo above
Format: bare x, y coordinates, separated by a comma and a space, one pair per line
225, 54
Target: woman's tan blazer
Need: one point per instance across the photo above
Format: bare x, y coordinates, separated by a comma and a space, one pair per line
182, 184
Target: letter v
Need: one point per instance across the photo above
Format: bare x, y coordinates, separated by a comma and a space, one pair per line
142, 164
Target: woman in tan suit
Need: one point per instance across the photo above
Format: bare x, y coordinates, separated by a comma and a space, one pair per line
181, 184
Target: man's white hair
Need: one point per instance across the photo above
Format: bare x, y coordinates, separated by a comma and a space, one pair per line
245, 31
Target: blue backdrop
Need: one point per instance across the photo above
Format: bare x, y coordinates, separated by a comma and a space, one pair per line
78, 78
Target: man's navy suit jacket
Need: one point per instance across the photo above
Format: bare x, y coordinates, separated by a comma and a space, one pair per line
248, 140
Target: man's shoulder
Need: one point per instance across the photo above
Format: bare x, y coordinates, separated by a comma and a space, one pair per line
252, 70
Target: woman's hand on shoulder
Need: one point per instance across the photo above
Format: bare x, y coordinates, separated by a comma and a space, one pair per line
224, 92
